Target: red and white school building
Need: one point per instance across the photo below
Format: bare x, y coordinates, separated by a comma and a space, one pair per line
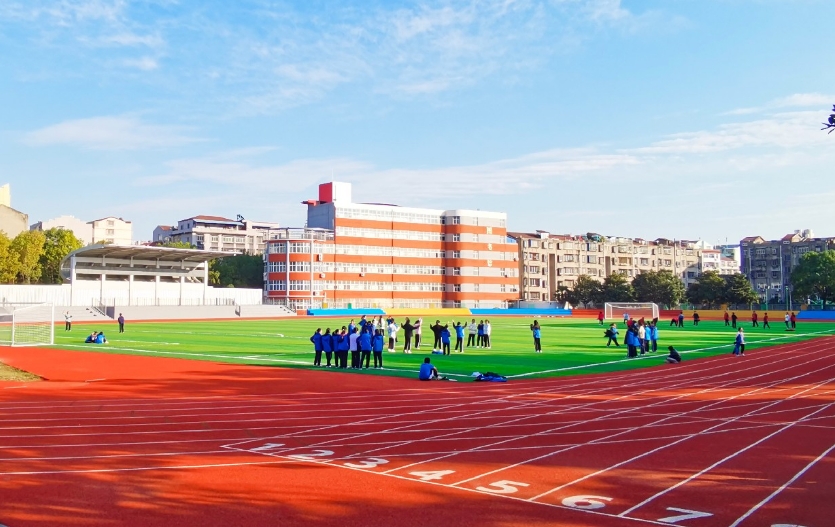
367, 255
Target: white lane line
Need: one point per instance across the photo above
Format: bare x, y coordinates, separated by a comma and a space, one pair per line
668, 445
626, 411
726, 458
656, 356
138, 469
782, 487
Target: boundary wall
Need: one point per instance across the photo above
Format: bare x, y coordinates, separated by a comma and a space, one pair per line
88, 293
439, 313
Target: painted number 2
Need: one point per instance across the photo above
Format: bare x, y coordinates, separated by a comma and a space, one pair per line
503, 487
312, 455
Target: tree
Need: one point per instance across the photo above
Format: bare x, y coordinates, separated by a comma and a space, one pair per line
660, 287
830, 124
58, 243
178, 245
738, 290
8, 261
241, 270
815, 276
27, 248
587, 290
617, 289
709, 289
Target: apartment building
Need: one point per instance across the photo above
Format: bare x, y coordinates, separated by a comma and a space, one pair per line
81, 229
379, 255
216, 233
12, 222
768, 264
548, 262
111, 230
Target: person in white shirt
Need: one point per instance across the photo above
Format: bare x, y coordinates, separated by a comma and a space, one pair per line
354, 348
418, 328
473, 330
392, 329
487, 330
642, 337
68, 321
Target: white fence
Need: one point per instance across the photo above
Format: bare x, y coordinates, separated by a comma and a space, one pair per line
94, 293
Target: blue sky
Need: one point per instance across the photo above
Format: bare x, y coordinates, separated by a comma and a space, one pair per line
674, 118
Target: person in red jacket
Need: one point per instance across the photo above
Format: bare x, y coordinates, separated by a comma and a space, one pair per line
600, 318
793, 319
754, 322
727, 319
765, 321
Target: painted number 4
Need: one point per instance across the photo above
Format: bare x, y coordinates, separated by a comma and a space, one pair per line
503, 487
432, 475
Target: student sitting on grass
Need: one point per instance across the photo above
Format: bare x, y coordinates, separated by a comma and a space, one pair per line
673, 357
91, 338
428, 372
96, 337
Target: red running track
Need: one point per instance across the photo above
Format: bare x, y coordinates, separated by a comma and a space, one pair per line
138, 441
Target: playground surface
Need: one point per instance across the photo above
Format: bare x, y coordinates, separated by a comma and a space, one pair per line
115, 439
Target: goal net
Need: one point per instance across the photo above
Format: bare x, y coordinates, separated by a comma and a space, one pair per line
636, 310
27, 324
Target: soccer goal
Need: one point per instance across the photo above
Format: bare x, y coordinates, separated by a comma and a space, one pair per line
27, 324
636, 310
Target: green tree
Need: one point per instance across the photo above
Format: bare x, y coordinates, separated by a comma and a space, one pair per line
8, 261
27, 248
58, 243
815, 276
738, 290
660, 287
178, 245
709, 289
617, 289
587, 290
242, 270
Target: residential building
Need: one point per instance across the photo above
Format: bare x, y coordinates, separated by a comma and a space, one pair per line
216, 233
365, 255
12, 222
548, 262
768, 264
112, 230
80, 228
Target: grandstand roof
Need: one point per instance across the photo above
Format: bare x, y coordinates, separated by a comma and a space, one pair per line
165, 254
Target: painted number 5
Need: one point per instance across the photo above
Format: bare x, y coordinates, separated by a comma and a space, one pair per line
586, 502
503, 487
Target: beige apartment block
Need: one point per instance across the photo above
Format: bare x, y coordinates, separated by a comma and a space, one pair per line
112, 230
216, 233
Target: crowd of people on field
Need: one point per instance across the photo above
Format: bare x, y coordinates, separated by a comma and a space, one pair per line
368, 336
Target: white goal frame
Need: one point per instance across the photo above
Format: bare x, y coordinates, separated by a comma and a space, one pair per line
27, 324
615, 310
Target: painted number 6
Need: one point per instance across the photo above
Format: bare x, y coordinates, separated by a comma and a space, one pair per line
586, 502
503, 487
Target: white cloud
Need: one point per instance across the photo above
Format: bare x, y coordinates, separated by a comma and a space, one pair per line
108, 133
797, 100
142, 63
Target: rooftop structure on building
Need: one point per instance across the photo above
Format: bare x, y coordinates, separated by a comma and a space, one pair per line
366, 255
12, 222
81, 229
217, 233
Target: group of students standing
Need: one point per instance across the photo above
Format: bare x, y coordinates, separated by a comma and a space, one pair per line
368, 337
641, 336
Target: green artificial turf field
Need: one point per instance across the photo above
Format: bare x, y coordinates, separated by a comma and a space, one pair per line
570, 346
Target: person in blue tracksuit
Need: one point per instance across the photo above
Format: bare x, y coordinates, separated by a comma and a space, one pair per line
739, 343
351, 327
365, 347
377, 347
480, 329
632, 342
445, 340
327, 346
653, 336
344, 346
459, 337
316, 339
612, 335
537, 336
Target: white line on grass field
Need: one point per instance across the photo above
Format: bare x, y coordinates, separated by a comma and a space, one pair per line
661, 355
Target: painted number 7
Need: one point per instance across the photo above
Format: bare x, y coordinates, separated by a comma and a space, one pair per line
503, 487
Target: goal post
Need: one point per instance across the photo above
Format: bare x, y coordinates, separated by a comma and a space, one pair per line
636, 310
27, 324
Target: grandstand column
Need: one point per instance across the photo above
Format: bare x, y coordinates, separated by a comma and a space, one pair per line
156, 289
72, 280
182, 282
205, 281
130, 288
101, 289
